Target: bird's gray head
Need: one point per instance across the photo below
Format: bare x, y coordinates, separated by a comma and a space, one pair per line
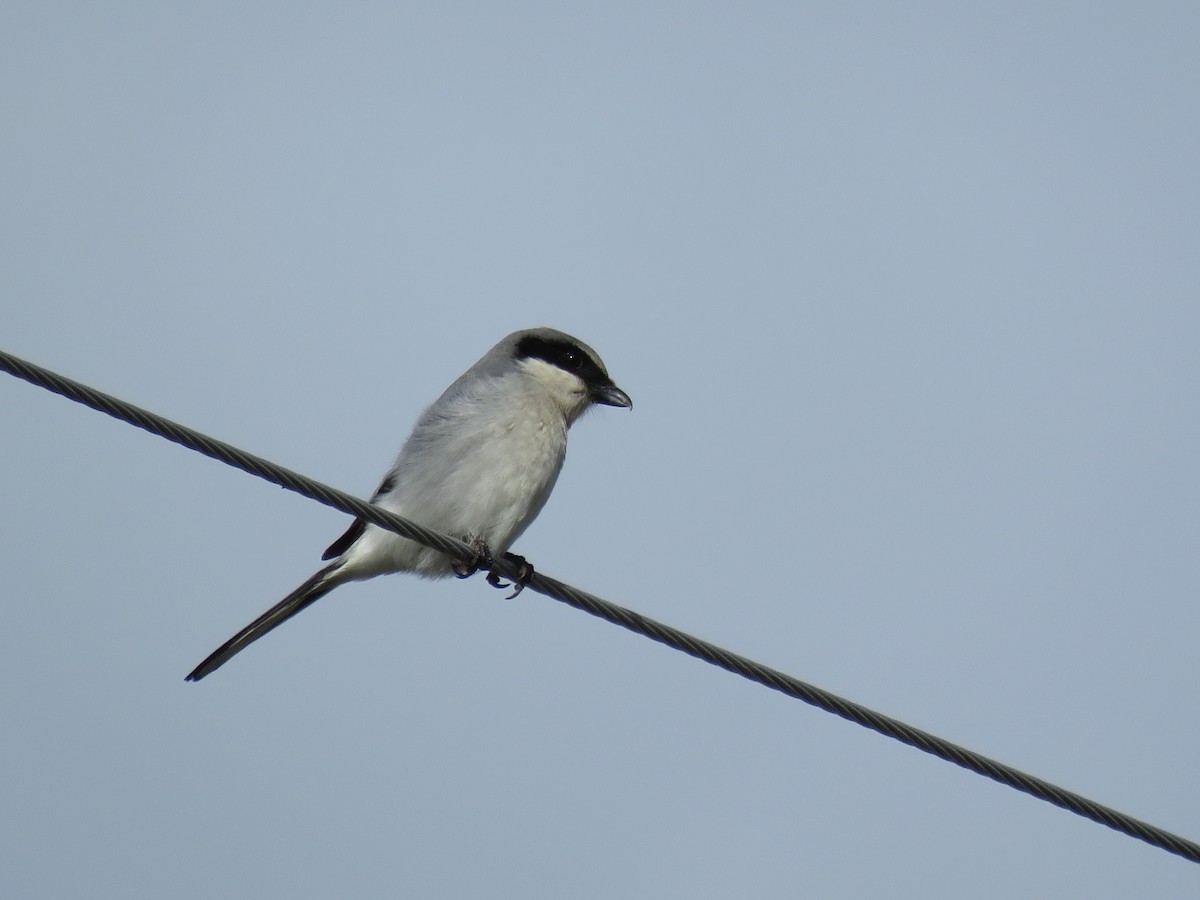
567, 367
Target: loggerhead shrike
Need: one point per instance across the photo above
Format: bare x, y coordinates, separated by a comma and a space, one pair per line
480, 464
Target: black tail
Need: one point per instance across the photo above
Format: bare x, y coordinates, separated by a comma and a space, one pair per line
301, 598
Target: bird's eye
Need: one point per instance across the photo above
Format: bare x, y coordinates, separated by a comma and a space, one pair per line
572, 360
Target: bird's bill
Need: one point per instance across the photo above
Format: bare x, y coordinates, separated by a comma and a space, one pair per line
611, 395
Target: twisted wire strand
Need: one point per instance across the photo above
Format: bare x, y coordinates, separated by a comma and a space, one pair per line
647, 627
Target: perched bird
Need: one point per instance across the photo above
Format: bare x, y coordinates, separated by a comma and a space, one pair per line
479, 465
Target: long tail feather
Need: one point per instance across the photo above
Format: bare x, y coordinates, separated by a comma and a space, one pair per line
301, 598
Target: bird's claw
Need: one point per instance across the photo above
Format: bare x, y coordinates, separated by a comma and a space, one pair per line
524, 573
483, 560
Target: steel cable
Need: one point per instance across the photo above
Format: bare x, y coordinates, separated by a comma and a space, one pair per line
657, 631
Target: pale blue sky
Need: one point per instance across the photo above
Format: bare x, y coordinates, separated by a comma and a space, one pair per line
906, 296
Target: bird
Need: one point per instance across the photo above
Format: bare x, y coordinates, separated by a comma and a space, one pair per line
479, 464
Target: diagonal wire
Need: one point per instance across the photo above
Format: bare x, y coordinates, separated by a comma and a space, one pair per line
657, 631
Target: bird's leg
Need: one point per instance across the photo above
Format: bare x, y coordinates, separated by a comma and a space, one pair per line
524, 573
481, 560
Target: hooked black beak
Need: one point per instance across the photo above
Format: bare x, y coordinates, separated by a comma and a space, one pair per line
611, 395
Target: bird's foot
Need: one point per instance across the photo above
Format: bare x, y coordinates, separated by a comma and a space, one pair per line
481, 560
524, 573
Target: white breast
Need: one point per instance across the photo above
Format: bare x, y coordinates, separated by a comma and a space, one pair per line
481, 465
